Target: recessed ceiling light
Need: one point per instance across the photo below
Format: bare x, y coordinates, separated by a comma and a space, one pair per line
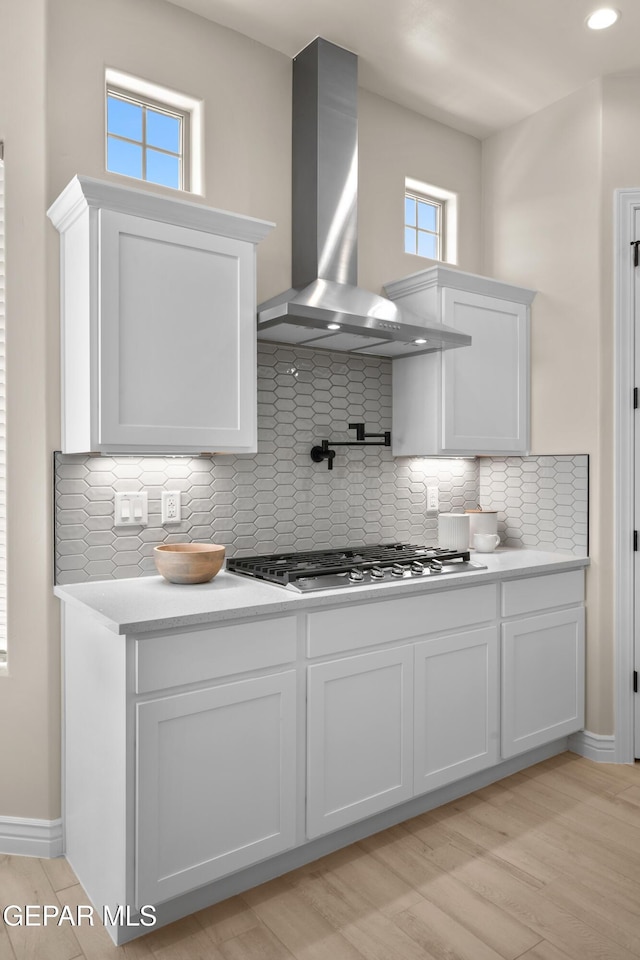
602, 18
333, 326
419, 341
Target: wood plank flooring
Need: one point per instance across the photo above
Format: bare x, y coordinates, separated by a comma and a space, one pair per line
544, 865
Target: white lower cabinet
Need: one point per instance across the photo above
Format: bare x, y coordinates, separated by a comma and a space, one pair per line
359, 737
542, 679
456, 707
389, 725
203, 774
215, 782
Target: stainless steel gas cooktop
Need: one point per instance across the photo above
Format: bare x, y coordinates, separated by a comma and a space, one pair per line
354, 566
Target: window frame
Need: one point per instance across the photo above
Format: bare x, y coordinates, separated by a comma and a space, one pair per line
158, 106
172, 102
439, 233
449, 222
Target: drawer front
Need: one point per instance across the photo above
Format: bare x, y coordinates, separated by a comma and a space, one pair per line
365, 625
541, 593
173, 659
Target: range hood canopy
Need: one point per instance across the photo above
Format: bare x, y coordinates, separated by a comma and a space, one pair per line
325, 307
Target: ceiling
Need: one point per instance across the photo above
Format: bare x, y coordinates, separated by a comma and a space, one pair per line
477, 65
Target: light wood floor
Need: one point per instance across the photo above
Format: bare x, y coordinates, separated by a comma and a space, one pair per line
544, 865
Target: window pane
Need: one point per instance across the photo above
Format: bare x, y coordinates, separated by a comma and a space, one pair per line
409, 240
163, 131
123, 157
161, 168
124, 118
428, 245
427, 216
410, 211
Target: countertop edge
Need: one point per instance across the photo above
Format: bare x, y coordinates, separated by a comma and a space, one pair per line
295, 603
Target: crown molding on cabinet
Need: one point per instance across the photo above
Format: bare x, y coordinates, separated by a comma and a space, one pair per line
458, 280
83, 192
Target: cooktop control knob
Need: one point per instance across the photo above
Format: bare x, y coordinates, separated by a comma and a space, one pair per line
356, 575
417, 568
436, 566
397, 570
377, 573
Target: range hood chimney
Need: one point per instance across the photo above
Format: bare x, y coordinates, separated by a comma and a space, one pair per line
325, 307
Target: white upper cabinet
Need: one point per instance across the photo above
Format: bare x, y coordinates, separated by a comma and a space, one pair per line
470, 400
158, 309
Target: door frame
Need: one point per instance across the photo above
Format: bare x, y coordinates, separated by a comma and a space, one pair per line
626, 203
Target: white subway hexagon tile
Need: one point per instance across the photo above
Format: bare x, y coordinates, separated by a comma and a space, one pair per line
99, 568
69, 547
203, 533
152, 535
99, 523
99, 553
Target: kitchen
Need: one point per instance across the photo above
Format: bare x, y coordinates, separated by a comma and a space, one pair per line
518, 169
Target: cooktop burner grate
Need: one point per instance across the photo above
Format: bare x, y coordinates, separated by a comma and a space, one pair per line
288, 568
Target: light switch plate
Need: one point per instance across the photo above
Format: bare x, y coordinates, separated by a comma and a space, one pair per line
131, 509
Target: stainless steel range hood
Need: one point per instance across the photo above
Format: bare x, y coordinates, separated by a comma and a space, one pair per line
325, 307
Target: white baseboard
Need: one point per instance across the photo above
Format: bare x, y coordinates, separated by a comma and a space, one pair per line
594, 746
30, 838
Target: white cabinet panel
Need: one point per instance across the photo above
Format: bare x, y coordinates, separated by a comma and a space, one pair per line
485, 401
367, 624
216, 783
542, 679
177, 337
540, 593
158, 323
456, 707
471, 400
360, 737
192, 656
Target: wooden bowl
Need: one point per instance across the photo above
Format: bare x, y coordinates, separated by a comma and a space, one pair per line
188, 562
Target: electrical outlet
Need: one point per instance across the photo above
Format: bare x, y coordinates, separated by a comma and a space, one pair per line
131, 509
171, 506
432, 501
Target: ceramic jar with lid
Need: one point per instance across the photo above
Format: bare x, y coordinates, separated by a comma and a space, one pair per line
482, 521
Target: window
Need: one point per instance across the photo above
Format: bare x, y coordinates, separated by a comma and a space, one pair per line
430, 221
423, 226
152, 133
145, 141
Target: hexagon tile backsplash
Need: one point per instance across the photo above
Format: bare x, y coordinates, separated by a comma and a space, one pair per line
277, 500
541, 501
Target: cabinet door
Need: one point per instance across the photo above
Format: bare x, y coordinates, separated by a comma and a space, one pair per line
216, 783
485, 386
456, 707
360, 737
177, 338
542, 679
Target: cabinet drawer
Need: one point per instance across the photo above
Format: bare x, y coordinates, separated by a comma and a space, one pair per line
542, 593
173, 659
367, 624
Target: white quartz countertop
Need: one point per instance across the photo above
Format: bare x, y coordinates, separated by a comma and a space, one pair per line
145, 604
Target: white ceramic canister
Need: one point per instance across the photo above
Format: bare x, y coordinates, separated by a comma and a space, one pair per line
482, 521
453, 531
